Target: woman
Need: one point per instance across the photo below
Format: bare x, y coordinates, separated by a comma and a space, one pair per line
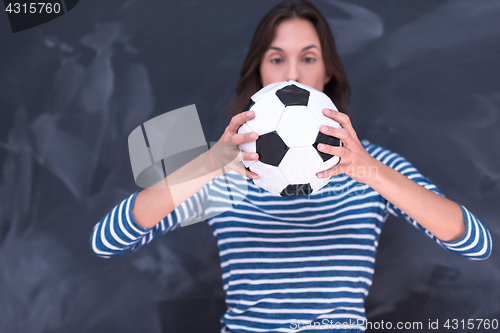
292, 263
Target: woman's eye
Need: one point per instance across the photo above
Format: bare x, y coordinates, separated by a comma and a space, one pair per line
309, 60
276, 61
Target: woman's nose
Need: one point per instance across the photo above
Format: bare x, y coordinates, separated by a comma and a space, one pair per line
292, 72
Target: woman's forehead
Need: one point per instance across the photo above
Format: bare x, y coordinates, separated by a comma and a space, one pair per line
296, 33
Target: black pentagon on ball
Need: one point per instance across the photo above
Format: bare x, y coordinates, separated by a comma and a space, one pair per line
327, 140
296, 190
293, 95
271, 148
249, 105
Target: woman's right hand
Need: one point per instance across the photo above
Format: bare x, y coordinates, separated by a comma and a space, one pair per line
226, 154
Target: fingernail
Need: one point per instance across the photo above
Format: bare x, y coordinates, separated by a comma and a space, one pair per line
320, 175
253, 135
321, 146
249, 113
254, 156
324, 128
326, 111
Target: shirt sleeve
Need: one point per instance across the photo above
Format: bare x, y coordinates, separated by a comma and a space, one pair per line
475, 244
118, 233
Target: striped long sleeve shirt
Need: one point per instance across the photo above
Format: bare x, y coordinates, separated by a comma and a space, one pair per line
290, 264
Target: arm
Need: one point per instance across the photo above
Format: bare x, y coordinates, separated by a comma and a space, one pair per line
475, 243
152, 204
176, 200
118, 233
443, 218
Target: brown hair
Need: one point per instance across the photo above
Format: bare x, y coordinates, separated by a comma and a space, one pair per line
250, 81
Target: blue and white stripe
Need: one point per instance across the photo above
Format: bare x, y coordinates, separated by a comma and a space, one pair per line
307, 259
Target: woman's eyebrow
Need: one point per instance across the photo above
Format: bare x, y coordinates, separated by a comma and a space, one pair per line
281, 50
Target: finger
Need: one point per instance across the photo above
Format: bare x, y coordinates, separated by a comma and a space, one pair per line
244, 171
238, 139
239, 168
340, 168
238, 120
250, 156
341, 118
340, 133
251, 175
331, 150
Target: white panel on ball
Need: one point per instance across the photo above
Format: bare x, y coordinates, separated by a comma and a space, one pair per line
298, 127
269, 108
267, 90
300, 164
270, 177
319, 101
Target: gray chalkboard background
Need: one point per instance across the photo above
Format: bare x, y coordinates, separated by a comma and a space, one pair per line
425, 79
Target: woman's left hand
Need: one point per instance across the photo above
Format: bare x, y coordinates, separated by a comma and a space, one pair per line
355, 161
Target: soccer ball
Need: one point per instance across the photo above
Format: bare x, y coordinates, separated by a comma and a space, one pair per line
288, 116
